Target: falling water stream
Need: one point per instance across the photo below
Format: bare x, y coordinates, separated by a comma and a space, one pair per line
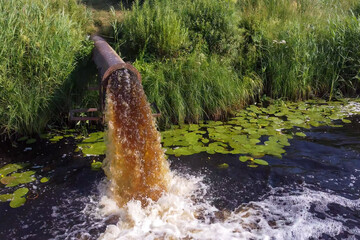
135, 162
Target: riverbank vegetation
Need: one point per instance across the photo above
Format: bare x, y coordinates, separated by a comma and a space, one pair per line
41, 41
199, 59
202, 58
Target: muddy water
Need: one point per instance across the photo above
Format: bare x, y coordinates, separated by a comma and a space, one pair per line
312, 192
135, 162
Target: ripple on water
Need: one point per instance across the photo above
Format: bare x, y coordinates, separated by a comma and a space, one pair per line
183, 213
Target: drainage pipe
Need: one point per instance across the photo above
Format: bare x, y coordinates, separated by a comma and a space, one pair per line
107, 62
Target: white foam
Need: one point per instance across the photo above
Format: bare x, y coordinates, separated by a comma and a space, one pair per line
183, 213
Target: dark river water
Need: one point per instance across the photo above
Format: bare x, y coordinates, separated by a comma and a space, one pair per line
311, 193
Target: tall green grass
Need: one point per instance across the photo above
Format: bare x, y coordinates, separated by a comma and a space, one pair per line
293, 49
195, 87
153, 28
40, 43
180, 48
305, 48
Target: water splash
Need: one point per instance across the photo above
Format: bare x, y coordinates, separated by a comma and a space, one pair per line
184, 213
135, 162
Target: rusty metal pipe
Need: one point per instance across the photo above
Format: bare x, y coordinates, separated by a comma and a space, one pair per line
108, 61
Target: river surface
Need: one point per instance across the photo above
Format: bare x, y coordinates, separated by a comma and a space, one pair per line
312, 192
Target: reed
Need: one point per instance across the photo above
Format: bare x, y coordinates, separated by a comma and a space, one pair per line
41, 41
195, 87
305, 48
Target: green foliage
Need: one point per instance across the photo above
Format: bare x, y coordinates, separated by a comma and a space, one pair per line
9, 168
96, 165
18, 198
44, 180
194, 87
152, 27
40, 44
93, 145
293, 49
213, 22
304, 48
256, 131
18, 178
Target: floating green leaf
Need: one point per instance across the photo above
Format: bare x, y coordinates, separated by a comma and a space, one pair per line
223, 165
244, 158
300, 134
19, 178
9, 168
17, 202
5, 197
346, 121
18, 198
44, 180
260, 162
21, 192
96, 165
244, 133
56, 138
93, 145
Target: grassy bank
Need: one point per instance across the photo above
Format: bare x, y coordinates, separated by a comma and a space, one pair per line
41, 41
204, 58
199, 59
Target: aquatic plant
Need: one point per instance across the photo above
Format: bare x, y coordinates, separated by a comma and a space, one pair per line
93, 145
11, 178
96, 165
254, 132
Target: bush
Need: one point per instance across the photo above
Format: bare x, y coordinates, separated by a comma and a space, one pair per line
40, 42
215, 22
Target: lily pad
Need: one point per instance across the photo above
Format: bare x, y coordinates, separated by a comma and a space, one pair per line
261, 162
17, 202
223, 165
300, 134
244, 158
21, 192
56, 139
20, 178
5, 197
245, 133
18, 198
44, 180
96, 165
9, 168
93, 145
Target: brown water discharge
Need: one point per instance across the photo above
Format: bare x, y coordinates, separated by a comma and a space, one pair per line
135, 162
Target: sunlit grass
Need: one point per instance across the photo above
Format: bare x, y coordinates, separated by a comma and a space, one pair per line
40, 42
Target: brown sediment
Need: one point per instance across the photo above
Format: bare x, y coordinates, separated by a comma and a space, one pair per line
135, 162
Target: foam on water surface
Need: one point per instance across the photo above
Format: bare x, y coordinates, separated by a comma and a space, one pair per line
184, 213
